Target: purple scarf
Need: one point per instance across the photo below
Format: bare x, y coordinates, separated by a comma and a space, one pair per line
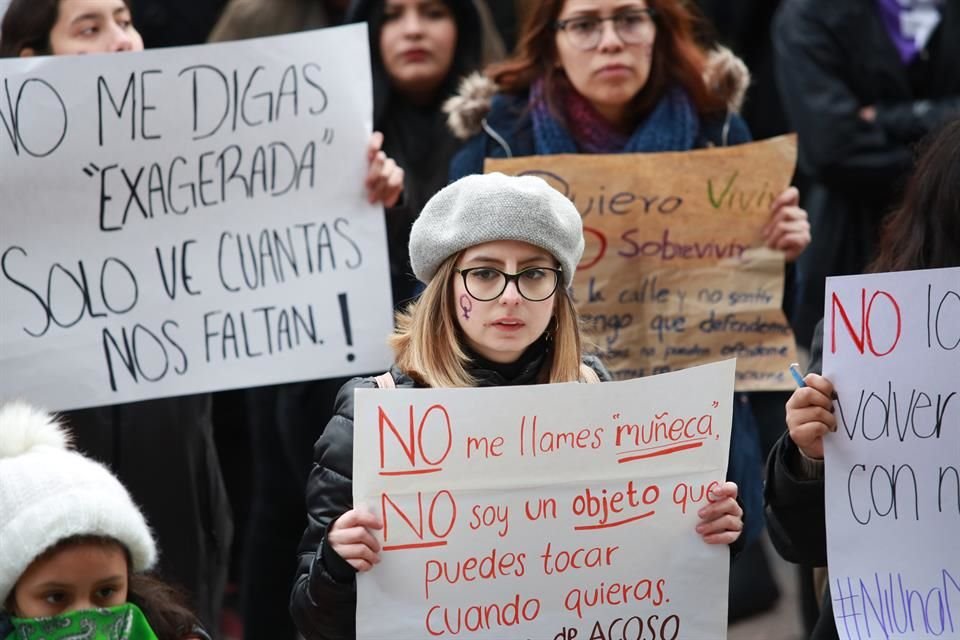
909, 24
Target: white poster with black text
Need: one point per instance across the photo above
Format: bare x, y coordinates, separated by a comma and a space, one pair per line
188, 220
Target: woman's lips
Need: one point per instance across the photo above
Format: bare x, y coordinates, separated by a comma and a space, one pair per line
613, 70
508, 324
415, 55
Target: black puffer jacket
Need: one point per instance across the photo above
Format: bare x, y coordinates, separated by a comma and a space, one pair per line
324, 598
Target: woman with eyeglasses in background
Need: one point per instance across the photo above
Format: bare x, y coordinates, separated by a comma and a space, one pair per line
611, 76
621, 76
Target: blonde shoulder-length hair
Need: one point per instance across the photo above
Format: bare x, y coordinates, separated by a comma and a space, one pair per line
427, 344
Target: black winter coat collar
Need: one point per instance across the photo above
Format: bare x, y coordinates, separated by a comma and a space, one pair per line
526, 370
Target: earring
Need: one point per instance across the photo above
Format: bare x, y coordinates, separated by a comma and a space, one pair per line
551, 329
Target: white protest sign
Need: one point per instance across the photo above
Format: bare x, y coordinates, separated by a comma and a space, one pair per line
562, 511
892, 350
187, 220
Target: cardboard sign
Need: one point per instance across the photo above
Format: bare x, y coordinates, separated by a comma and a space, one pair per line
188, 220
551, 511
673, 275
892, 350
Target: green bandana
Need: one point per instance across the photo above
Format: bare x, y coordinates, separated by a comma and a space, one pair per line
125, 622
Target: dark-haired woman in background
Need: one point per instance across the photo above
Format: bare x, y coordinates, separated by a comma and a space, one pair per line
63, 27
924, 233
419, 51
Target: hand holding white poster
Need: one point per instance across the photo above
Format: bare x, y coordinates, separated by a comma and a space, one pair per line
563, 511
187, 220
892, 350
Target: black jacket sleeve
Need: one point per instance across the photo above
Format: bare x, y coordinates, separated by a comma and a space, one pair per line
324, 597
796, 518
814, 71
795, 510
911, 120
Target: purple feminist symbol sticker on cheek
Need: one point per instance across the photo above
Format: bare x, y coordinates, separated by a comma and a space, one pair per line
466, 303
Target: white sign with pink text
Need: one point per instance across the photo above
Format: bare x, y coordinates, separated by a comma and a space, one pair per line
562, 511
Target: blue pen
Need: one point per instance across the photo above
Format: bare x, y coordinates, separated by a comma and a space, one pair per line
795, 372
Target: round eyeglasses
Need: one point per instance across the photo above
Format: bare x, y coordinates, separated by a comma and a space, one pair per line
486, 283
632, 27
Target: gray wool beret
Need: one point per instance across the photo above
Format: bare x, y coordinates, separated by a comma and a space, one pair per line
483, 208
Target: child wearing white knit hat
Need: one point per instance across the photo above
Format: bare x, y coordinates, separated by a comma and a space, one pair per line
73, 545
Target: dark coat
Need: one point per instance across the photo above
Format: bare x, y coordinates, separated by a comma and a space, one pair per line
324, 598
175, 23
833, 58
796, 515
416, 135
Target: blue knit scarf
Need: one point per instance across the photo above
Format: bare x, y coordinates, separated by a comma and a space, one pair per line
671, 126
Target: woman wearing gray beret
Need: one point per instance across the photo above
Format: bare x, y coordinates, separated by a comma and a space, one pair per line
497, 255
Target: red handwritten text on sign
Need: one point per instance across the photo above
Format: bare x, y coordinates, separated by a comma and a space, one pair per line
864, 333
412, 444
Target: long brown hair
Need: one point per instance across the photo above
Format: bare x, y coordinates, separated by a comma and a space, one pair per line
677, 58
427, 341
924, 233
27, 25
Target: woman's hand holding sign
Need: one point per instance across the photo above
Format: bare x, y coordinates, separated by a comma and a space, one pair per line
788, 229
810, 415
384, 181
350, 537
721, 521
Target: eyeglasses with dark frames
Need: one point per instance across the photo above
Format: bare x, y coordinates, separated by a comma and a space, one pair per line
535, 284
585, 32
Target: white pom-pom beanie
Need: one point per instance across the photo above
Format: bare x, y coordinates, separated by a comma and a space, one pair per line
49, 493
